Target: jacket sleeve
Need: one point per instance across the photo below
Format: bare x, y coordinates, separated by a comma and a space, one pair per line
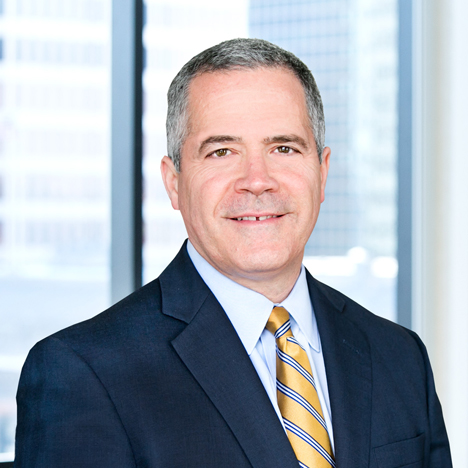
65, 415
439, 450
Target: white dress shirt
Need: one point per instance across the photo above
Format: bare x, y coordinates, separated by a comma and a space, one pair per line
249, 311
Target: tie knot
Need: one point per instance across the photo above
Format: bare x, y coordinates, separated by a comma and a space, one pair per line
278, 323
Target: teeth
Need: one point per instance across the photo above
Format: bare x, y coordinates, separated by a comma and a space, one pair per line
253, 218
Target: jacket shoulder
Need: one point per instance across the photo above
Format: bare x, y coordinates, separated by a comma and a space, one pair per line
120, 320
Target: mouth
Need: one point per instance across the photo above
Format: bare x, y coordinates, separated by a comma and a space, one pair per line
255, 218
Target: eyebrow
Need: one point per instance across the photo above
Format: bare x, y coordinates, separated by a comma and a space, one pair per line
286, 139
219, 139
274, 139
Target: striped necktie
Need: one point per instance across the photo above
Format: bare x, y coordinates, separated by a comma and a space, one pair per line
297, 397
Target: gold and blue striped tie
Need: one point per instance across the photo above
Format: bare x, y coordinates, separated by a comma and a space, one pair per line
297, 397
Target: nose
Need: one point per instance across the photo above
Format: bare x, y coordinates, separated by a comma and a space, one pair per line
256, 176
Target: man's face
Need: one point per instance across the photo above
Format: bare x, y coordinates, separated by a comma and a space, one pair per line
250, 182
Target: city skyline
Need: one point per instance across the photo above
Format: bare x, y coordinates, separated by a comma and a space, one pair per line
55, 152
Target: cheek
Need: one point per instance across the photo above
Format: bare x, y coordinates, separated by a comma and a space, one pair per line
309, 201
198, 200
208, 194
305, 187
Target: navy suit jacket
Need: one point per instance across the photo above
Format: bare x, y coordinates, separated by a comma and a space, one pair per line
161, 379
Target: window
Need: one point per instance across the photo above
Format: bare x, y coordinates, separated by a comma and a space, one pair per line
352, 52
173, 34
54, 179
351, 48
55, 207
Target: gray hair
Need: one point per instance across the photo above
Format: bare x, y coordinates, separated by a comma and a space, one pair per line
237, 54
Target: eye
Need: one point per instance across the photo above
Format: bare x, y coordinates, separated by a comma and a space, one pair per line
284, 149
219, 153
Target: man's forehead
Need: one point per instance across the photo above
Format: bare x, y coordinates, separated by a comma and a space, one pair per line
207, 90
212, 81
220, 101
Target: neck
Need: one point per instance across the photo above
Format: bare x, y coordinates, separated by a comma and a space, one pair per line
275, 287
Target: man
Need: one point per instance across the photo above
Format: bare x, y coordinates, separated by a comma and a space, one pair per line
235, 356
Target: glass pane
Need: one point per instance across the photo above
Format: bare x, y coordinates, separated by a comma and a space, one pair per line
54, 177
175, 31
351, 48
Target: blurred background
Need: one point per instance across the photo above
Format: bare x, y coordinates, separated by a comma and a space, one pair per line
84, 217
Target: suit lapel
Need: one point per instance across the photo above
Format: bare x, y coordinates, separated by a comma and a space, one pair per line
348, 367
213, 353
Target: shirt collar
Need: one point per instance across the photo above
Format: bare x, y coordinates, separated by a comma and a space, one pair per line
249, 311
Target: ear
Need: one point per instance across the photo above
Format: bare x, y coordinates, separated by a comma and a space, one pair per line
171, 181
324, 171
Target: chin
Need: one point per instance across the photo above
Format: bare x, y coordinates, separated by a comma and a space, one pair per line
263, 260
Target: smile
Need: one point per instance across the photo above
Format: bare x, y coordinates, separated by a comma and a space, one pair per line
255, 218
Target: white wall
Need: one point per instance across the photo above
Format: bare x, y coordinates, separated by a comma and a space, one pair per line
441, 207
